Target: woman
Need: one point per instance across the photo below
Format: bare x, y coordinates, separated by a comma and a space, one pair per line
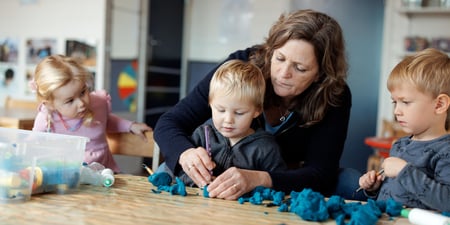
307, 109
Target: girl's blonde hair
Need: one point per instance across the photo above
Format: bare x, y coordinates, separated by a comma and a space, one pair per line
56, 71
240, 79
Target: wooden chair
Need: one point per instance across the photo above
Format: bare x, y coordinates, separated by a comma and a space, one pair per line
13, 103
132, 145
18, 113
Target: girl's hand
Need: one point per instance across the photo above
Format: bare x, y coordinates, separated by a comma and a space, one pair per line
234, 182
392, 166
370, 181
139, 129
196, 163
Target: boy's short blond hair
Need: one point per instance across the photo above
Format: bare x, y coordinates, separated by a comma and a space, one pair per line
428, 70
240, 79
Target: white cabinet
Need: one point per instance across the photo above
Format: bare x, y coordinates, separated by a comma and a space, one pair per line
401, 22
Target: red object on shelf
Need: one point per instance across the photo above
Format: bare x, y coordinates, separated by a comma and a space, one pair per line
382, 145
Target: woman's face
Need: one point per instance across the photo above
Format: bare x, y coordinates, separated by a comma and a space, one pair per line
293, 68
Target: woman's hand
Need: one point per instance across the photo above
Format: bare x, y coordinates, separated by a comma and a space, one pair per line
370, 181
234, 182
392, 166
196, 163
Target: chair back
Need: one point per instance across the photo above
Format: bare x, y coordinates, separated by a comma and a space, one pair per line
13, 103
132, 145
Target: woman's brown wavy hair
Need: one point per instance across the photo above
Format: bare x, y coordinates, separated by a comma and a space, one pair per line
325, 34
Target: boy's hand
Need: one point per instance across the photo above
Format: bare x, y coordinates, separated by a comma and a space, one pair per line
393, 165
370, 181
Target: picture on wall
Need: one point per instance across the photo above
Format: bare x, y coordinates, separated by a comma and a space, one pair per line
8, 50
9, 78
37, 49
9, 81
124, 85
84, 50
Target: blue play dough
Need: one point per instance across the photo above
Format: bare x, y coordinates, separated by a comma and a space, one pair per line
259, 194
334, 206
365, 214
205, 191
163, 181
393, 208
307, 204
312, 206
176, 189
179, 188
160, 179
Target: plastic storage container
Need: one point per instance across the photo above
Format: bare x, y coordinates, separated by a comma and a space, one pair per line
37, 162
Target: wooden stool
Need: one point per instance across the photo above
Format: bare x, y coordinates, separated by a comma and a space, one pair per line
381, 147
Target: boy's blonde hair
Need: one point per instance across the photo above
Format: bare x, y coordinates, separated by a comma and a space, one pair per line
56, 71
428, 70
240, 79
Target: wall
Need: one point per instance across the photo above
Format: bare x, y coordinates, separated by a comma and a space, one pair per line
59, 19
231, 25
125, 17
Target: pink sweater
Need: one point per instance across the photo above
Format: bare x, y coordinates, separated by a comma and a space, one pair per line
97, 149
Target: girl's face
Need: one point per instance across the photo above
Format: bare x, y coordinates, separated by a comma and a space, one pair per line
232, 117
293, 68
71, 100
415, 111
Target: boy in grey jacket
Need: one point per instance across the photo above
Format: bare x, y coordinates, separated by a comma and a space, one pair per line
417, 173
236, 97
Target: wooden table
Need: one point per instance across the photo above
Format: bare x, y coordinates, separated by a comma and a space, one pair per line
131, 201
20, 119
